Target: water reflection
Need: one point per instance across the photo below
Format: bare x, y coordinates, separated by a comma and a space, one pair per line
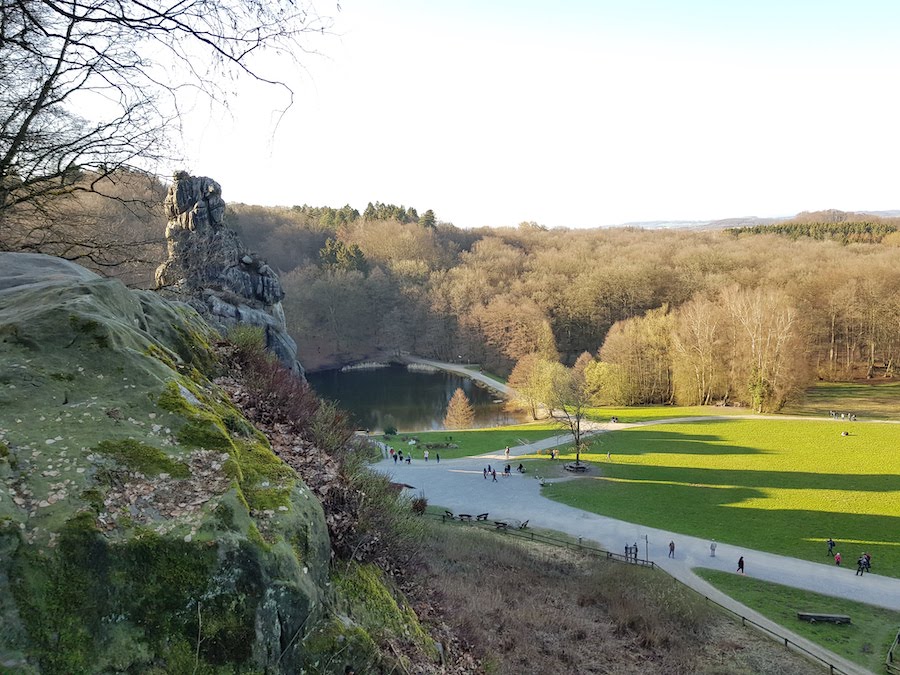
407, 400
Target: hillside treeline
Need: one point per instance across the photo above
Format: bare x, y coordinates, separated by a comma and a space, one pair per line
693, 317
833, 225
674, 315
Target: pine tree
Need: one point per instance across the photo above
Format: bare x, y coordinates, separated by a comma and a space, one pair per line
459, 412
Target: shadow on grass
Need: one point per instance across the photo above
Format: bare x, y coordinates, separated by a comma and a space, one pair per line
705, 503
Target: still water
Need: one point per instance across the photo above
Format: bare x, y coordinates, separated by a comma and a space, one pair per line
408, 400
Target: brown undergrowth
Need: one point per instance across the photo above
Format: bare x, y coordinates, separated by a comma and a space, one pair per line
529, 608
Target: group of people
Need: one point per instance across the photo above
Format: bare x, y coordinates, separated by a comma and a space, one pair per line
631, 552
863, 564
843, 416
397, 456
507, 471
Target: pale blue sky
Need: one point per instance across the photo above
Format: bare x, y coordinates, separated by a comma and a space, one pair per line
577, 113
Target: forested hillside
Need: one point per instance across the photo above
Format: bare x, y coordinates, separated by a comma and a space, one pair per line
741, 316
687, 315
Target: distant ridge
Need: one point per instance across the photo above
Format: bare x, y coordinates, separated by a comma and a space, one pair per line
744, 221
741, 221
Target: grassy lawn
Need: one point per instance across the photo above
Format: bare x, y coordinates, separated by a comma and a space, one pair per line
864, 641
472, 442
645, 413
865, 400
776, 485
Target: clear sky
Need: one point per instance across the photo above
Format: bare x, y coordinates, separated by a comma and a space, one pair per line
577, 113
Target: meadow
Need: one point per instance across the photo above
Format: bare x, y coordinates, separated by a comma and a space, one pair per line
866, 400
471, 442
865, 640
779, 485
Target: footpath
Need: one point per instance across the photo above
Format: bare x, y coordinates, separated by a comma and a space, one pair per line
459, 485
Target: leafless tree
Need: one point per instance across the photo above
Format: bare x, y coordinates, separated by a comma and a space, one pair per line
91, 87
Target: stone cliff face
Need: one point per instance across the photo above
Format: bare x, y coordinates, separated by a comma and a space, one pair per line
209, 268
145, 525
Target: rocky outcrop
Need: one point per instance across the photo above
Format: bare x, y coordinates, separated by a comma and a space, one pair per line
210, 269
145, 525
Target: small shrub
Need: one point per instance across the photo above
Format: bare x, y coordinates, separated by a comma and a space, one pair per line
419, 504
248, 339
390, 430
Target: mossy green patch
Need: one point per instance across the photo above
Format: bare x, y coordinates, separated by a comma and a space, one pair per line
371, 604
141, 457
204, 433
334, 646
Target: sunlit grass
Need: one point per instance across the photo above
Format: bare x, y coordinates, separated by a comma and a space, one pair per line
777, 485
865, 640
646, 413
474, 441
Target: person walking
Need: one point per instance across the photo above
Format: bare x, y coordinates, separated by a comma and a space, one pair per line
425, 455
671, 549
506, 453
741, 565
484, 471
494, 475
712, 549
861, 565
837, 558
437, 457
830, 547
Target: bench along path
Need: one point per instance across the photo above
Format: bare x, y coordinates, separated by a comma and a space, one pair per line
458, 485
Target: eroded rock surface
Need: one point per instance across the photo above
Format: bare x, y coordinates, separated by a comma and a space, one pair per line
145, 525
210, 269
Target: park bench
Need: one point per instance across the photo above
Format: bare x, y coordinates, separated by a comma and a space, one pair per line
465, 517
523, 525
814, 617
481, 516
500, 525
448, 515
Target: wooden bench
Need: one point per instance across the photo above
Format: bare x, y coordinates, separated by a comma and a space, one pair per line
500, 525
814, 617
481, 516
465, 517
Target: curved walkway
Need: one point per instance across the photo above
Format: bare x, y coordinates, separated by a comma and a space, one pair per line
459, 485
461, 369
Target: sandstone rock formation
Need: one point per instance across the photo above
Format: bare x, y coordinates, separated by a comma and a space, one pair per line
209, 268
145, 525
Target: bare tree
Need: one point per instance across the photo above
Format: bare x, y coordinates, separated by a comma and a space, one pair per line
94, 86
568, 398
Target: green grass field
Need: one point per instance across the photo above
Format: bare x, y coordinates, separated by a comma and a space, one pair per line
880, 400
646, 413
472, 442
865, 640
776, 485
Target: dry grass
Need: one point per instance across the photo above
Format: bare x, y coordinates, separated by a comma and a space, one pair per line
525, 608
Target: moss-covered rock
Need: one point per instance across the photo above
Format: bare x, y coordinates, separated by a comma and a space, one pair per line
145, 524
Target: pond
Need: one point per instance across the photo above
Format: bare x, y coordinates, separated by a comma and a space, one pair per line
407, 400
